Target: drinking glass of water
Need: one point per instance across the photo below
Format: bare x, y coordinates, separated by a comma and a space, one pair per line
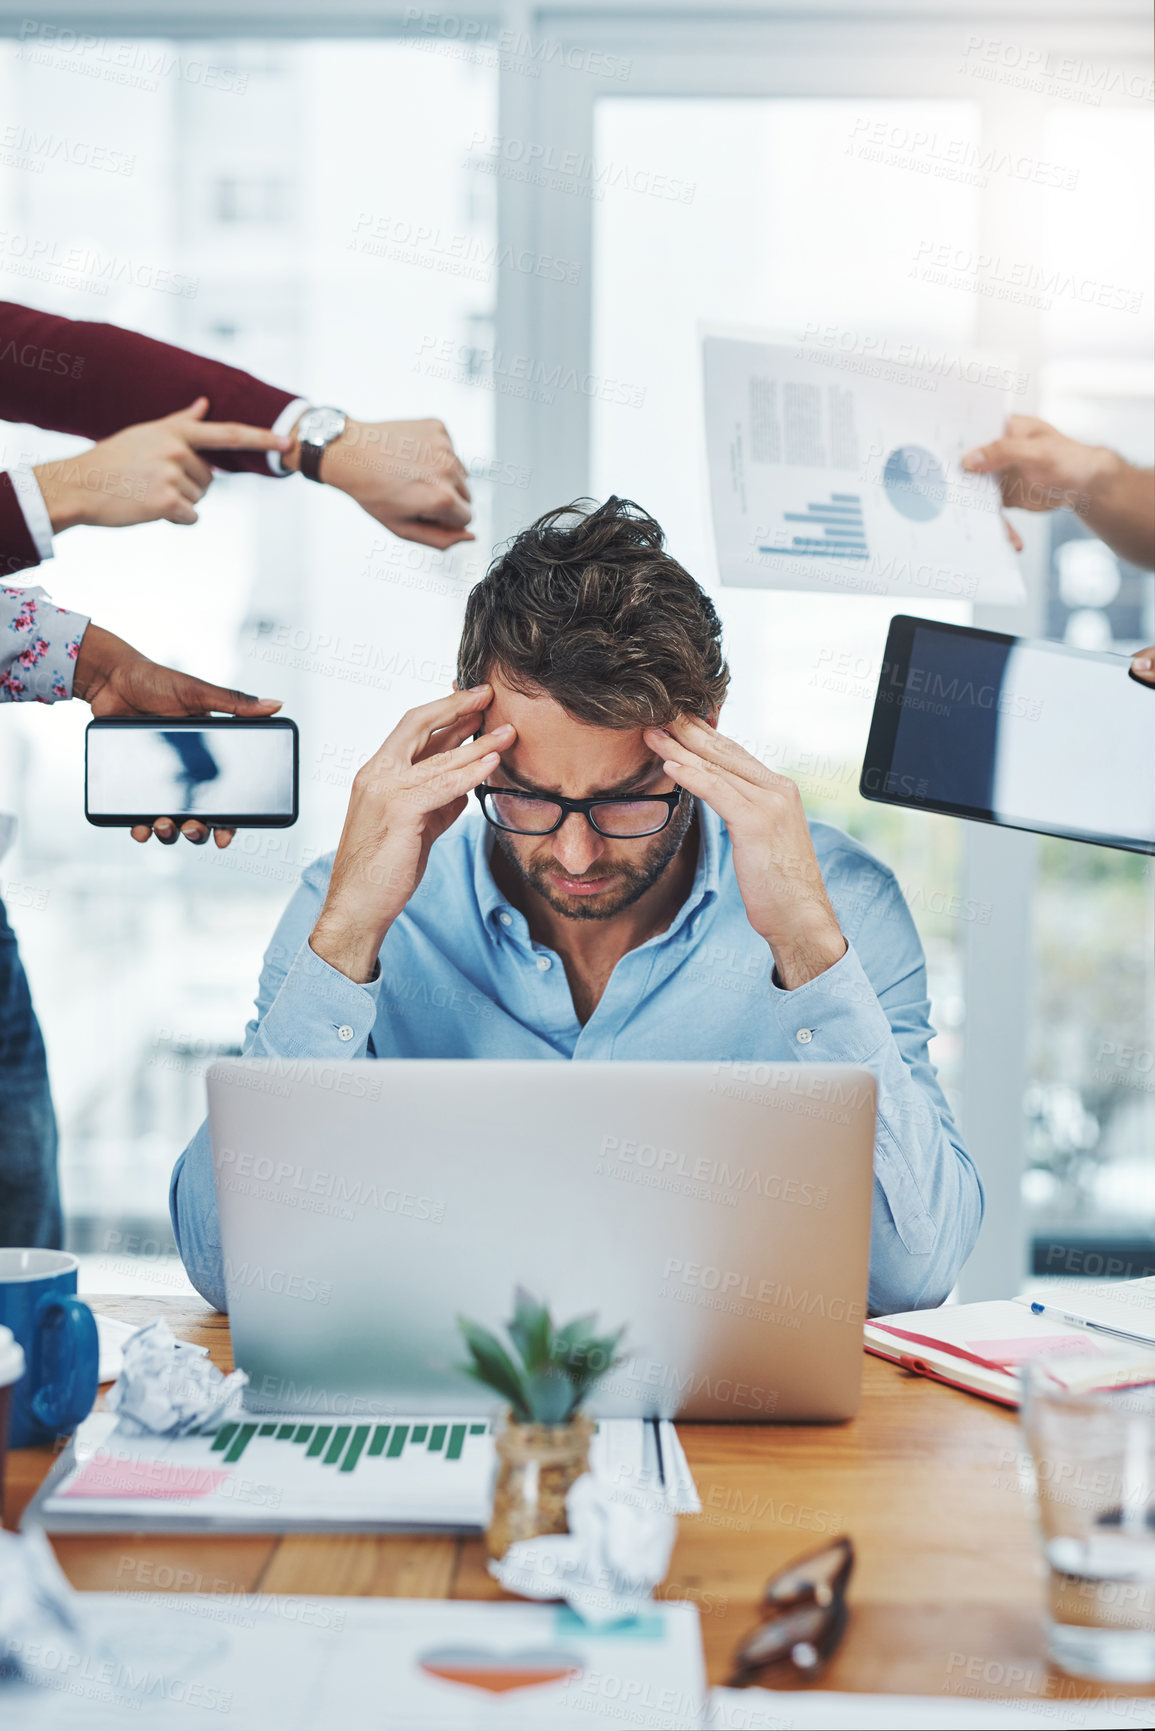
1094, 1472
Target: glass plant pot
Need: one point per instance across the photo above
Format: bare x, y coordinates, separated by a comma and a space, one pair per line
536, 1465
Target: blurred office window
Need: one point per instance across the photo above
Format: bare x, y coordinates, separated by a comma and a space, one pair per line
348, 265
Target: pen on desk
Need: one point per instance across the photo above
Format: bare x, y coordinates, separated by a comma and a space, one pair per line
1084, 1322
657, 1424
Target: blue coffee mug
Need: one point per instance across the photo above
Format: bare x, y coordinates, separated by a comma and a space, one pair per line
38, 1303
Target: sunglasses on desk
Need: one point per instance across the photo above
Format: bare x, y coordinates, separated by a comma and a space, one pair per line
618, 816
804, 1616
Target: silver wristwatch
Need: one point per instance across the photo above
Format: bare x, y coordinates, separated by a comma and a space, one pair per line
316, 430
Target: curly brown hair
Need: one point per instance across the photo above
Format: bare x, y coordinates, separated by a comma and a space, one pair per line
587, 607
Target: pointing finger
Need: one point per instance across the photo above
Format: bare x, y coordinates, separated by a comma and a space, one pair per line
231, 436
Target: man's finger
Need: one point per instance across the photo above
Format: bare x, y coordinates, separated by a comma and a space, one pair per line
1143, 666
443, 506
164, 829
182, 514
189, 490
196, 469
450, 782
1001, 454
195, 832
447, 738
413, 731
223, 837
231, 436
428, 535
712, 785
499, 739
196, 411
716, 748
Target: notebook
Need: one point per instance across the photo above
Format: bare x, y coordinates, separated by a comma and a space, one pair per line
1125, 1308
983, 1347
270, 1473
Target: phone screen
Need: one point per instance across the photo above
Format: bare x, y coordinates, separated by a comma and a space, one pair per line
213, 770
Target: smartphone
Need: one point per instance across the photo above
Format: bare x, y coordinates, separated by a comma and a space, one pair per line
225, 772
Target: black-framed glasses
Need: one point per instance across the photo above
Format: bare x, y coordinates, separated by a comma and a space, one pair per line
804, 1615
618, 816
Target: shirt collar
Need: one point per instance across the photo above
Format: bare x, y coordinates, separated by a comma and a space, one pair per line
491, 904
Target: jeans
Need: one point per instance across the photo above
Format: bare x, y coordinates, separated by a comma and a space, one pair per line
29, 1191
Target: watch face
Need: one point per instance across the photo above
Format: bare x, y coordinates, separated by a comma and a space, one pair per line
319, 426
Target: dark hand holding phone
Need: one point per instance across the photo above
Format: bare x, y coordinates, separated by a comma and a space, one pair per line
219, 773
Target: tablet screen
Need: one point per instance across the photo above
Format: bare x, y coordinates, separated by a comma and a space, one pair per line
1020, 732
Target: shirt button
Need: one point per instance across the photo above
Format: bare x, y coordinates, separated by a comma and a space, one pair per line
506, 919
345, 1033
544, 964
804, 1036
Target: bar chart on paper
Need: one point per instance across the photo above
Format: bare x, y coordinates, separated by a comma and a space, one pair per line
831, 528
252, 1473
284, 1472
833, 480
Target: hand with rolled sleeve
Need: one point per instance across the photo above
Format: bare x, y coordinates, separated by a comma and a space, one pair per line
1039, 468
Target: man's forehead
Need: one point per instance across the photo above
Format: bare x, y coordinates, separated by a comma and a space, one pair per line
556, 752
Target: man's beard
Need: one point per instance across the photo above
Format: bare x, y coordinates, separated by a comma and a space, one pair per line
629, 883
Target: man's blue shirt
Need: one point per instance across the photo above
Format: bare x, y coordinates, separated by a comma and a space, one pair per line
460, 977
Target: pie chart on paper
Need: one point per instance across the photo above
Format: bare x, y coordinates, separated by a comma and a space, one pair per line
498, 1672
914, 483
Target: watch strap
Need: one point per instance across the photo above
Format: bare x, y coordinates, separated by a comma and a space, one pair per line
310, 459
313, 447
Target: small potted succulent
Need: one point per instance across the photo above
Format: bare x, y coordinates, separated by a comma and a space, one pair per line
545, 1443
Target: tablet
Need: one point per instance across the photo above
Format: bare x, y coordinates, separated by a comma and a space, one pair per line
1015, 731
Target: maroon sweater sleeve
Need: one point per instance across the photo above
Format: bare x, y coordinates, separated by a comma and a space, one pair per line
73, 376
17, 548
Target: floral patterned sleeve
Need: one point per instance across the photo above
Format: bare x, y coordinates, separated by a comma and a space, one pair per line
39, 643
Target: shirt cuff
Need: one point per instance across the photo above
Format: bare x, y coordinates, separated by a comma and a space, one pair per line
835, 1018
283, 425
31, 501
318, 1012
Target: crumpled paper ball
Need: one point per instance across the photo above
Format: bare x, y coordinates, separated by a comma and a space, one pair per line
606, 1567
168, 1385
38, 1604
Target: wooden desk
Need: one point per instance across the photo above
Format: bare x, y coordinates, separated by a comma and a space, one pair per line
946, 1596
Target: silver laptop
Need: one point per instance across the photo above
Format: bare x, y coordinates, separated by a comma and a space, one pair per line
720, 1210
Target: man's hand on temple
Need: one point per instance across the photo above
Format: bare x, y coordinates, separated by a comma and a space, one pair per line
145, 474
116, 679
406, 474
407, 795
774, 861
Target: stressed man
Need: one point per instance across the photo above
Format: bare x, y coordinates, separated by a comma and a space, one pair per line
634, 885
